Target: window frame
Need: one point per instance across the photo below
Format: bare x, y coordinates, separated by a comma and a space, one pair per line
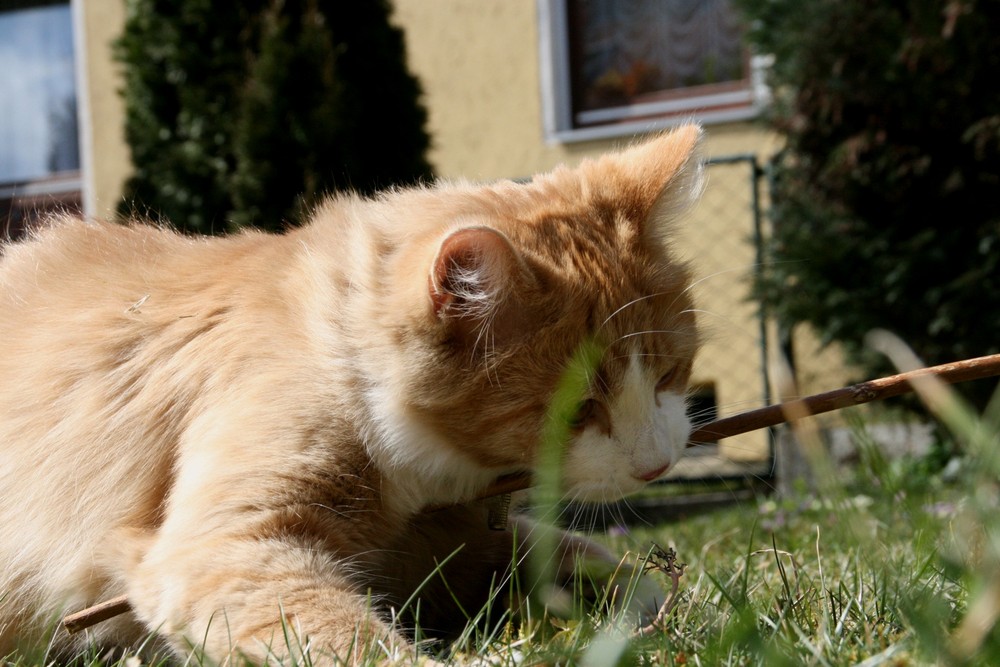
557, 112
68, 189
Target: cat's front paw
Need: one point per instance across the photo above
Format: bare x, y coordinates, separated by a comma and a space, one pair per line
586, 571
617, 585
640, 596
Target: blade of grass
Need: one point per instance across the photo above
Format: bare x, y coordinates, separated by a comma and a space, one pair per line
548, 492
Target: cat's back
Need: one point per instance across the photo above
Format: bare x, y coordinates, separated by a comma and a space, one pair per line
69, 259
89, 311
67, 292
91, 285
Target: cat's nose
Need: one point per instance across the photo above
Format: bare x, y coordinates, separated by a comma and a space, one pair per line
652, 474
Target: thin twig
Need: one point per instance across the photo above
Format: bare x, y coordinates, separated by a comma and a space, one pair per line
94, 615
864, 392
665, 562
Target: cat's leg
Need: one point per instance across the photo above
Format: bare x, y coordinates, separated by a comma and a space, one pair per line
260, 598
448, 569
460, 565
583, 567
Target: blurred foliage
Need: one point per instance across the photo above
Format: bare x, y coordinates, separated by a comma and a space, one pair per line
246, 113
886, 211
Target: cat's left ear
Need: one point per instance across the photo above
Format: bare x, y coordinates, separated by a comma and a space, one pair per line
475, 281
661, 179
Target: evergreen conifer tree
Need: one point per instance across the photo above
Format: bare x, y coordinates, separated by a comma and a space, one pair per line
246, 113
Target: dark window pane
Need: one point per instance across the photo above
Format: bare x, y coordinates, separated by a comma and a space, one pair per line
661, 56
38, 126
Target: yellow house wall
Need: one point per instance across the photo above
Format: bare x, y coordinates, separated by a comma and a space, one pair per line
108, 163
478, 62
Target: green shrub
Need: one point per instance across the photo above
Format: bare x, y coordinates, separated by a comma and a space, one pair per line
885, 207
245, 113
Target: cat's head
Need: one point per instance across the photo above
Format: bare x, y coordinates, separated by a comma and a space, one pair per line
503, 283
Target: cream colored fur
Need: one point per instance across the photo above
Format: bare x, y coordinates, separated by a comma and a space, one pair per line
240, 432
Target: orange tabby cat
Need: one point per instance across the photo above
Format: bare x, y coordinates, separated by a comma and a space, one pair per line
240, 433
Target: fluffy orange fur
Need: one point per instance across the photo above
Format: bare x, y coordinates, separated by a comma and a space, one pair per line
240, 433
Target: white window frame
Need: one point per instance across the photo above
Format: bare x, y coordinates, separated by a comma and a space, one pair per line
557, 113
83, 119
68, 182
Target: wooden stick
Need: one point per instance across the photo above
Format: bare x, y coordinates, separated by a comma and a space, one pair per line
864, 392
94, 615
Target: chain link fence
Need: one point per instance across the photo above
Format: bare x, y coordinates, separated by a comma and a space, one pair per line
722, 238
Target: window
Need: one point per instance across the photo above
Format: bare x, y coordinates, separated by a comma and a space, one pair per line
703, 408
39, 142
612, 68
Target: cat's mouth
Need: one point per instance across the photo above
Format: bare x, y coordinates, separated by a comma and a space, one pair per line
611, 490
650, 475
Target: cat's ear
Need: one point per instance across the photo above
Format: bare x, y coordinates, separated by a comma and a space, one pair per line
661, 179
475, 277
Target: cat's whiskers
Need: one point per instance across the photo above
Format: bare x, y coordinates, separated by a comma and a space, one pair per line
695, 283
585, 515
523, 556
630, 303
492, 355
626, 505
733, 325
650, 354
647, 332
708, 415
345, 512
687, 289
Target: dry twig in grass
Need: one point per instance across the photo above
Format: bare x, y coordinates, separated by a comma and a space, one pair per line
665, 562
94, 615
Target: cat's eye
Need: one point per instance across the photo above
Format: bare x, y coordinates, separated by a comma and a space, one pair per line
591, 412
585, 413
667, 380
